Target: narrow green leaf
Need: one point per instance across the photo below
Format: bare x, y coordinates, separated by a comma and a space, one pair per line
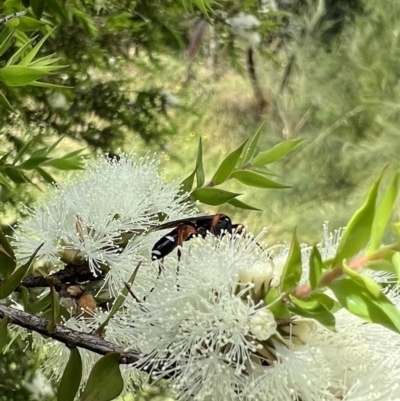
276, 153
30, 56
5, 103
316, 267
33, 162
67, 164
187, 183
311, 308
71, 378
241, 205
383, 213
71, 155
42, 304
38, 7
18, 75
358, 231
372, 306
213, 196
22, 151
396, 264
255, 180
119, 301
19, 52
199, 165
277, 307
105, 382
291, 273
54, 145
252, 145
45, 175
6, 43
29, 24
12, 282
14, 174
3, 333
227, 166
55, 309
49, 86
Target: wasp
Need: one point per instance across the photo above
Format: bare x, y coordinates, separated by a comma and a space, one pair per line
185, 229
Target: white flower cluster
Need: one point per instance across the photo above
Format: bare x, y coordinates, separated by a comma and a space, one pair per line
86, 218
199, 318
244, 27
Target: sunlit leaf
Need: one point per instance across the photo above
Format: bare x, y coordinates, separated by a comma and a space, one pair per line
358, 231
241, 205
251, 147
291, 273
255, 180
5, 103
18, 75
383, 213
227, 166
276, 153
213, 196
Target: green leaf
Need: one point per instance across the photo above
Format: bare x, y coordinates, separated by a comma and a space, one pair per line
316, 267
3, 333
383, 213
49, 86
187, 183
45, 175
71, 378
54, 145
382, 265
18, 75
311, 308
227, 166
38, 7
251, 148
6, 43
367, 302
67, 164
30, 56
22, 151
213, 196
276, 153
396, 264
105, 381
19, 52
119, 301
14, 174
12, 282
41, 304
5, 103
358, 231
291, 273
29, 24
33, 162
241, 205
277, 307
199, 165
255, 180
55, 309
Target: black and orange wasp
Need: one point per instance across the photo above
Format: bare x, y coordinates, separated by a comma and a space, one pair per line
185, 229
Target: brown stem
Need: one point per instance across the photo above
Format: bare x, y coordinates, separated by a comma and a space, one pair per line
67, 336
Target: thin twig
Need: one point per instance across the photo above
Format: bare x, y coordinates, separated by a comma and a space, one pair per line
12, 16
67, 336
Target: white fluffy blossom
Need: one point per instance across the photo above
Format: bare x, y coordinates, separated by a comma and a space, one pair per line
86, 218
244, 27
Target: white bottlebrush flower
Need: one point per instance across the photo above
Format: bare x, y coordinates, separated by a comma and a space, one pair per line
84, 218
244, 26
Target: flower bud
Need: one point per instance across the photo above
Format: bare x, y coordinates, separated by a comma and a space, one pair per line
262, 324
259, 274
301, 331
